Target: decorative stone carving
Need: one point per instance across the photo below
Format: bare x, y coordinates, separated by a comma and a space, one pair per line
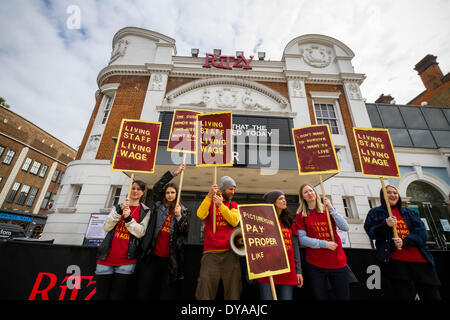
250, 103
226, 98
93, 142
156, 82
317, 55
297, 89
206, 97
228, 93
353, 91
119, 50
91, 147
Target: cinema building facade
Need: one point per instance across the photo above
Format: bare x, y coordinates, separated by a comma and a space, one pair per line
314, 82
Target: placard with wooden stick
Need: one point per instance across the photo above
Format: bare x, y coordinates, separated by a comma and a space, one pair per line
136, 148
265, 249
316, 155
377, 158
214, 143
182, 138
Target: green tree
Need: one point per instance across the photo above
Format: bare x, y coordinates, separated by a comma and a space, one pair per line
3, 103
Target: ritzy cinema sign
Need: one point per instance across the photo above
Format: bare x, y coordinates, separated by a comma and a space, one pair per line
227, 62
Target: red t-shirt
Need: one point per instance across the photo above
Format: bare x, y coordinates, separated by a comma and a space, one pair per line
316, 226
289, 278
411, 254
117, 255
162, 246
219, 241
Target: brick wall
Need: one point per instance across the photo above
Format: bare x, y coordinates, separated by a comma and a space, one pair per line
346, 117
128, 104
18, 133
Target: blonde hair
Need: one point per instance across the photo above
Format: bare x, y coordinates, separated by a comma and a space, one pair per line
303, 207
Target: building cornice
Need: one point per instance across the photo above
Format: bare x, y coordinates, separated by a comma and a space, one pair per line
205, 73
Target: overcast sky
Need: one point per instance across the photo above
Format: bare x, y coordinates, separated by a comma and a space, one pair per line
48, 70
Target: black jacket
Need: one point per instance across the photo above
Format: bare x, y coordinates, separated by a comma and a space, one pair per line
178, 231
133, 246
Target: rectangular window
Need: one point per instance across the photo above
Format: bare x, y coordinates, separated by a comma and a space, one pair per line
32, 197
325, 114
52, 201
2, 149
114, 196
23, 194
13, 193
9, 156
26, 164
61, 177
107, 109
55, 176
76, 195
35, 167
349, 207
46, 199
374, 202
43, 171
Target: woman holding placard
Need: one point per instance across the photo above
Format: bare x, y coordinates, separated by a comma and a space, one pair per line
325, 259
117, 254
286, 282
406, 262
162, 247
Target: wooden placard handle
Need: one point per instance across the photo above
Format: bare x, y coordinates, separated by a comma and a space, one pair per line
181, 182
330, 226
214, 206
388, 205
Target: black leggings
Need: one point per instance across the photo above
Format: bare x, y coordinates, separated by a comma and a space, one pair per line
406, 290
153, 280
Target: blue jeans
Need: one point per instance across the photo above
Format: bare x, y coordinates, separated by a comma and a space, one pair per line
284, 291
321, 278
125, 269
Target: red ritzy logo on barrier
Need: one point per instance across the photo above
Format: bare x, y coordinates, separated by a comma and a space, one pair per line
46, 282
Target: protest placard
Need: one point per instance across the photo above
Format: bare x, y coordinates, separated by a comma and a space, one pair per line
214, 146
377, 158
136, 146
376, 152
316, 155
182, 131
315, 150
266, 254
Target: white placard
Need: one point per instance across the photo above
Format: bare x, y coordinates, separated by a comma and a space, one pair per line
344, 238
445, 225
95, 227
425, 223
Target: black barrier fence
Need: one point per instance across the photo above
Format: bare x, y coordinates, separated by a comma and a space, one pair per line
38, 271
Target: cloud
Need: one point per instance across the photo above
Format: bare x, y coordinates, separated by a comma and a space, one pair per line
49, 71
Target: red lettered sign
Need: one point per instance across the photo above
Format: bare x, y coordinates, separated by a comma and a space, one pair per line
376, 152
136, 146
182, 132
315, 150
263, 241
214, 141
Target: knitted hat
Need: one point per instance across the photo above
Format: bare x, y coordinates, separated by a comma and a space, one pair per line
226, 182
272, 196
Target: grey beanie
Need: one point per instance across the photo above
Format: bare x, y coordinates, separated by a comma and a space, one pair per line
272, 196
226, 182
